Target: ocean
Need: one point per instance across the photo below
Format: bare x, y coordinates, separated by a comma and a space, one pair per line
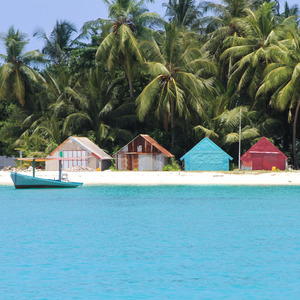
150, 242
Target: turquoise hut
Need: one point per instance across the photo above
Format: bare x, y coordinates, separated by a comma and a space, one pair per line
206, 156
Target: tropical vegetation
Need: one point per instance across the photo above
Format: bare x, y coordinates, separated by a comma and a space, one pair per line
199, 70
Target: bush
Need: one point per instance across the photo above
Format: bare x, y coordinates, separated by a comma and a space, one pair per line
173, 166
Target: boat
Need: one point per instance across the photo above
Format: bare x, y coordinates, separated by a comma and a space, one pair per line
22, 181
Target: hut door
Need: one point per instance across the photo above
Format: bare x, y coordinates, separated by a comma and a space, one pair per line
270, 160
145, 162
257, 163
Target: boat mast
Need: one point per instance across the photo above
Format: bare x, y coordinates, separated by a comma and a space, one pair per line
33, 168
59, 165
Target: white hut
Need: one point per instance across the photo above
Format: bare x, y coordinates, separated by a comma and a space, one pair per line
80, 147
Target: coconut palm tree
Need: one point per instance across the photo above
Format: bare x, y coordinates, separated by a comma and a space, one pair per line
221, 23
247, 51
184, 13
282, 77
176, 86
17, 77
43, 136
128, 20
56, 46
96, 103
221, 124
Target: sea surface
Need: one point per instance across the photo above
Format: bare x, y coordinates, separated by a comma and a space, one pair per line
150, 242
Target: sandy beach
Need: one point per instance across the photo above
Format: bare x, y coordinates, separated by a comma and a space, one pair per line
170, 178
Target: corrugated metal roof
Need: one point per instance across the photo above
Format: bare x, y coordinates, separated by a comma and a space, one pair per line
153, 142
84, 142
157, 145
206, 145
263, 146
88, 145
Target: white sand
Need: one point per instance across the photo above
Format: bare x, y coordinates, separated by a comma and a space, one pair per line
174, 178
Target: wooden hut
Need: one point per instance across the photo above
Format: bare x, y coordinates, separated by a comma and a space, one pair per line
206, 156
142, 154
80, 147
263, 156
6, 162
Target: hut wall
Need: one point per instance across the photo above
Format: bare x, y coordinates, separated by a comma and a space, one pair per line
104, 164
206, 156
246, 162
209, 161
140, 155
7, 162
91, 162
263, 161
159, 162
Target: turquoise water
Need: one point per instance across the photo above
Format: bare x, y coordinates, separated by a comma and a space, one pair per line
164, 242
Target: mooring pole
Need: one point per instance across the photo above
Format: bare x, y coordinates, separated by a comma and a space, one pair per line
240, 138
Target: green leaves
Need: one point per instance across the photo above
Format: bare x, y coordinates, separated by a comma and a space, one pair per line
16, 76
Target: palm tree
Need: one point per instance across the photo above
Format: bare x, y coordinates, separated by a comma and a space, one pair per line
42, 137
184, 13
59, 42
222, 23
282, 76
247, 51
221, 124
128, 19
93, 114
289, 11
175, 86
17, 78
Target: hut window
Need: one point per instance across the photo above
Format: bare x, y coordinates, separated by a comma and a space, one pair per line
139, 148
74, 163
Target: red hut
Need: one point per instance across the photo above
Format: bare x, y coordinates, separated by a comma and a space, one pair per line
263, 156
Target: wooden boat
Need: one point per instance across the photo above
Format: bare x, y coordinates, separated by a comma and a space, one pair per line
27, 182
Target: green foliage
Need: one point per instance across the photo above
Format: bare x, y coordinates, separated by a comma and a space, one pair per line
17, 78
172, 166
135, 73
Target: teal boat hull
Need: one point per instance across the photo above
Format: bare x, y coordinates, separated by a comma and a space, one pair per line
29, 182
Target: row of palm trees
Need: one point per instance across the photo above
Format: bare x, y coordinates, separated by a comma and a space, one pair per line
191, 76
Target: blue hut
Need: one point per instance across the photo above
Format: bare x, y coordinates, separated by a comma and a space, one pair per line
206, 156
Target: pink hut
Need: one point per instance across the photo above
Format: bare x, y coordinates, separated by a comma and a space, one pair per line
263, 156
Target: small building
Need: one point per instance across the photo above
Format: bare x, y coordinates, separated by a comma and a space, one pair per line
206, 156
6, 162
79, 147
142, 154
263, 156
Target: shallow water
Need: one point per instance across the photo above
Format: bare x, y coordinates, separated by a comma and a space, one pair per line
163, 242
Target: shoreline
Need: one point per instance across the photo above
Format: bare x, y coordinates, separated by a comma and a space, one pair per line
249, 178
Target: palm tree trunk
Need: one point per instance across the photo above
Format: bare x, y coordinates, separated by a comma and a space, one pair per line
130, 88
295, 135
128, 74
172, 104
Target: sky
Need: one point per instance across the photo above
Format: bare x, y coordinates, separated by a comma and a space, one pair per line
31, 15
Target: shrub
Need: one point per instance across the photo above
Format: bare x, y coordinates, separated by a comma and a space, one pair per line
173, 166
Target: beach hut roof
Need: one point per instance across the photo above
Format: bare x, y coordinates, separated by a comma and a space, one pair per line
208, 146
153, 142
87, 145
263, 146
